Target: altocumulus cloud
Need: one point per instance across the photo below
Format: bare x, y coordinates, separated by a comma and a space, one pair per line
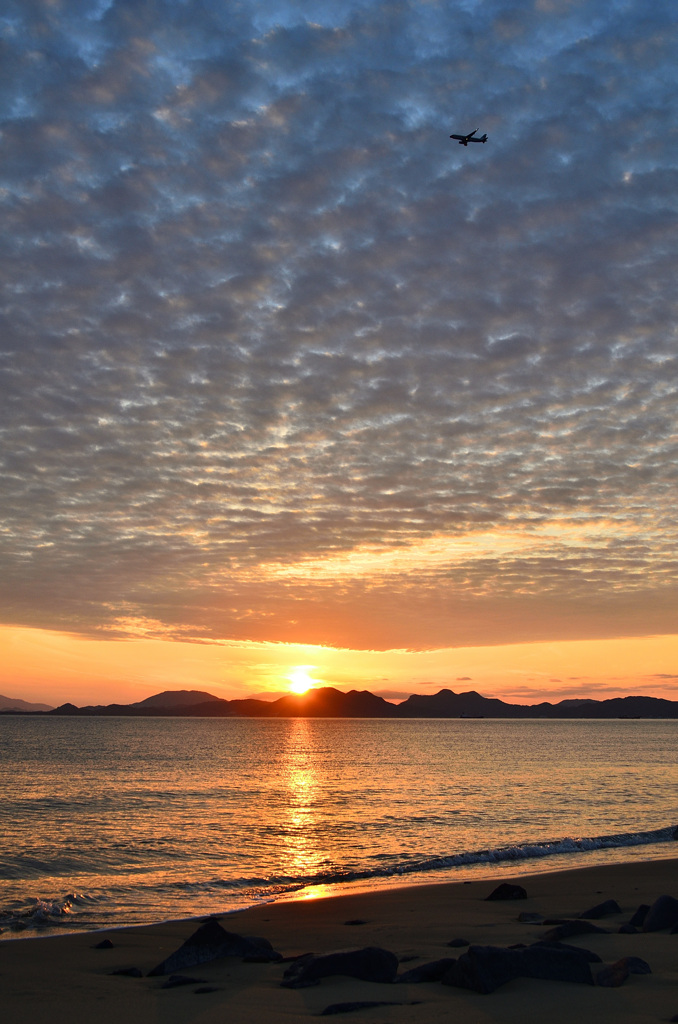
260, 315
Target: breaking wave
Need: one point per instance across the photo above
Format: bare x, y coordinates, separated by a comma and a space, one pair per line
146, 903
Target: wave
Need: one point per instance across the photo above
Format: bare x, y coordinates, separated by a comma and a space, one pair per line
37, 913
163, 900
496, 855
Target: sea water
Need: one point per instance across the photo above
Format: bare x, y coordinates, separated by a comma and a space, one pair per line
113, 821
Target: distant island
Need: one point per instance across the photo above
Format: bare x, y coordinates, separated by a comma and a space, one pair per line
328, 702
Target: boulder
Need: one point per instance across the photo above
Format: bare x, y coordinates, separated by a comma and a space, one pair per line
587, 954
458, 943
557, 962
636, 965
639, 916
369, 964
662, 914
527, 917
210, 942
508, 891
483, 969
432, 971
486, 968
104, 944
602, 910
568, 929
612, 975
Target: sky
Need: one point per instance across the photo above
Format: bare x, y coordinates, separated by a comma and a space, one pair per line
290, 379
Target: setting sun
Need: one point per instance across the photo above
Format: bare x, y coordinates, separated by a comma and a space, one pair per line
300, 680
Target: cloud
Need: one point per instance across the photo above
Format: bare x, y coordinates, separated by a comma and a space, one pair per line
258, 309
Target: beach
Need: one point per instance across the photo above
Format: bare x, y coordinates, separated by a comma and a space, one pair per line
66, 978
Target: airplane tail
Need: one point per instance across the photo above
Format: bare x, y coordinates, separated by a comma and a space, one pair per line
483, 138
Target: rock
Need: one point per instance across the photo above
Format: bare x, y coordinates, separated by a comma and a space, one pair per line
432, 971
211, 941
612, 975
507, 891
557, 962
636, 965
528, 918
128, 972
662, 914
104, 944
458, 943
362, 1004
640, 915
587, 954
568, 929
369, 964
204, 989
485, 968
602, 910
356, 920
177, 980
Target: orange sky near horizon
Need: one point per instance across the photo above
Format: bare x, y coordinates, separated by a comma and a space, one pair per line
52, 667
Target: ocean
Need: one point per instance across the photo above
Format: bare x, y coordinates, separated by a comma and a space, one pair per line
117, 821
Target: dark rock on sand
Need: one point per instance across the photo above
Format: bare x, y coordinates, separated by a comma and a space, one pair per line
508, 891
485, 968
128, 972
628, 929
369, 964
362, 1004
355, 920
526, 917
636, 965
432, 971
602, 910
568, 929
104, 944
638, 918
587, 954
458, 943
662, 914
178, 980
211, 941
614, 975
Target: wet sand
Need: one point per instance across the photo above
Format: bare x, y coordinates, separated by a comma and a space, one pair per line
64, 979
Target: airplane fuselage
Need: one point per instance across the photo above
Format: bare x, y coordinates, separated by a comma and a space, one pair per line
464, 140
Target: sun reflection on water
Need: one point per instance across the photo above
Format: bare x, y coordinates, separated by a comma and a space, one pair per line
302, 825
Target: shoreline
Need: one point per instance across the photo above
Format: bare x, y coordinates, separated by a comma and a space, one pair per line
69, 979
486, 870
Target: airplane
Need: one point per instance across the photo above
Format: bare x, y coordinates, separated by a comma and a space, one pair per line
465, 139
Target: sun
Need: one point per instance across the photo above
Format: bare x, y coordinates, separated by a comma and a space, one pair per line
300, 679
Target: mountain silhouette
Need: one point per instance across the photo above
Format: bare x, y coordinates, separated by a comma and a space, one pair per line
328, 702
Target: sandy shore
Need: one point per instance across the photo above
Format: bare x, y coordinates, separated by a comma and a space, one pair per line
64, 979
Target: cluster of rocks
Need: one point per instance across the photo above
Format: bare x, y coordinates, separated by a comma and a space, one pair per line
480, 968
